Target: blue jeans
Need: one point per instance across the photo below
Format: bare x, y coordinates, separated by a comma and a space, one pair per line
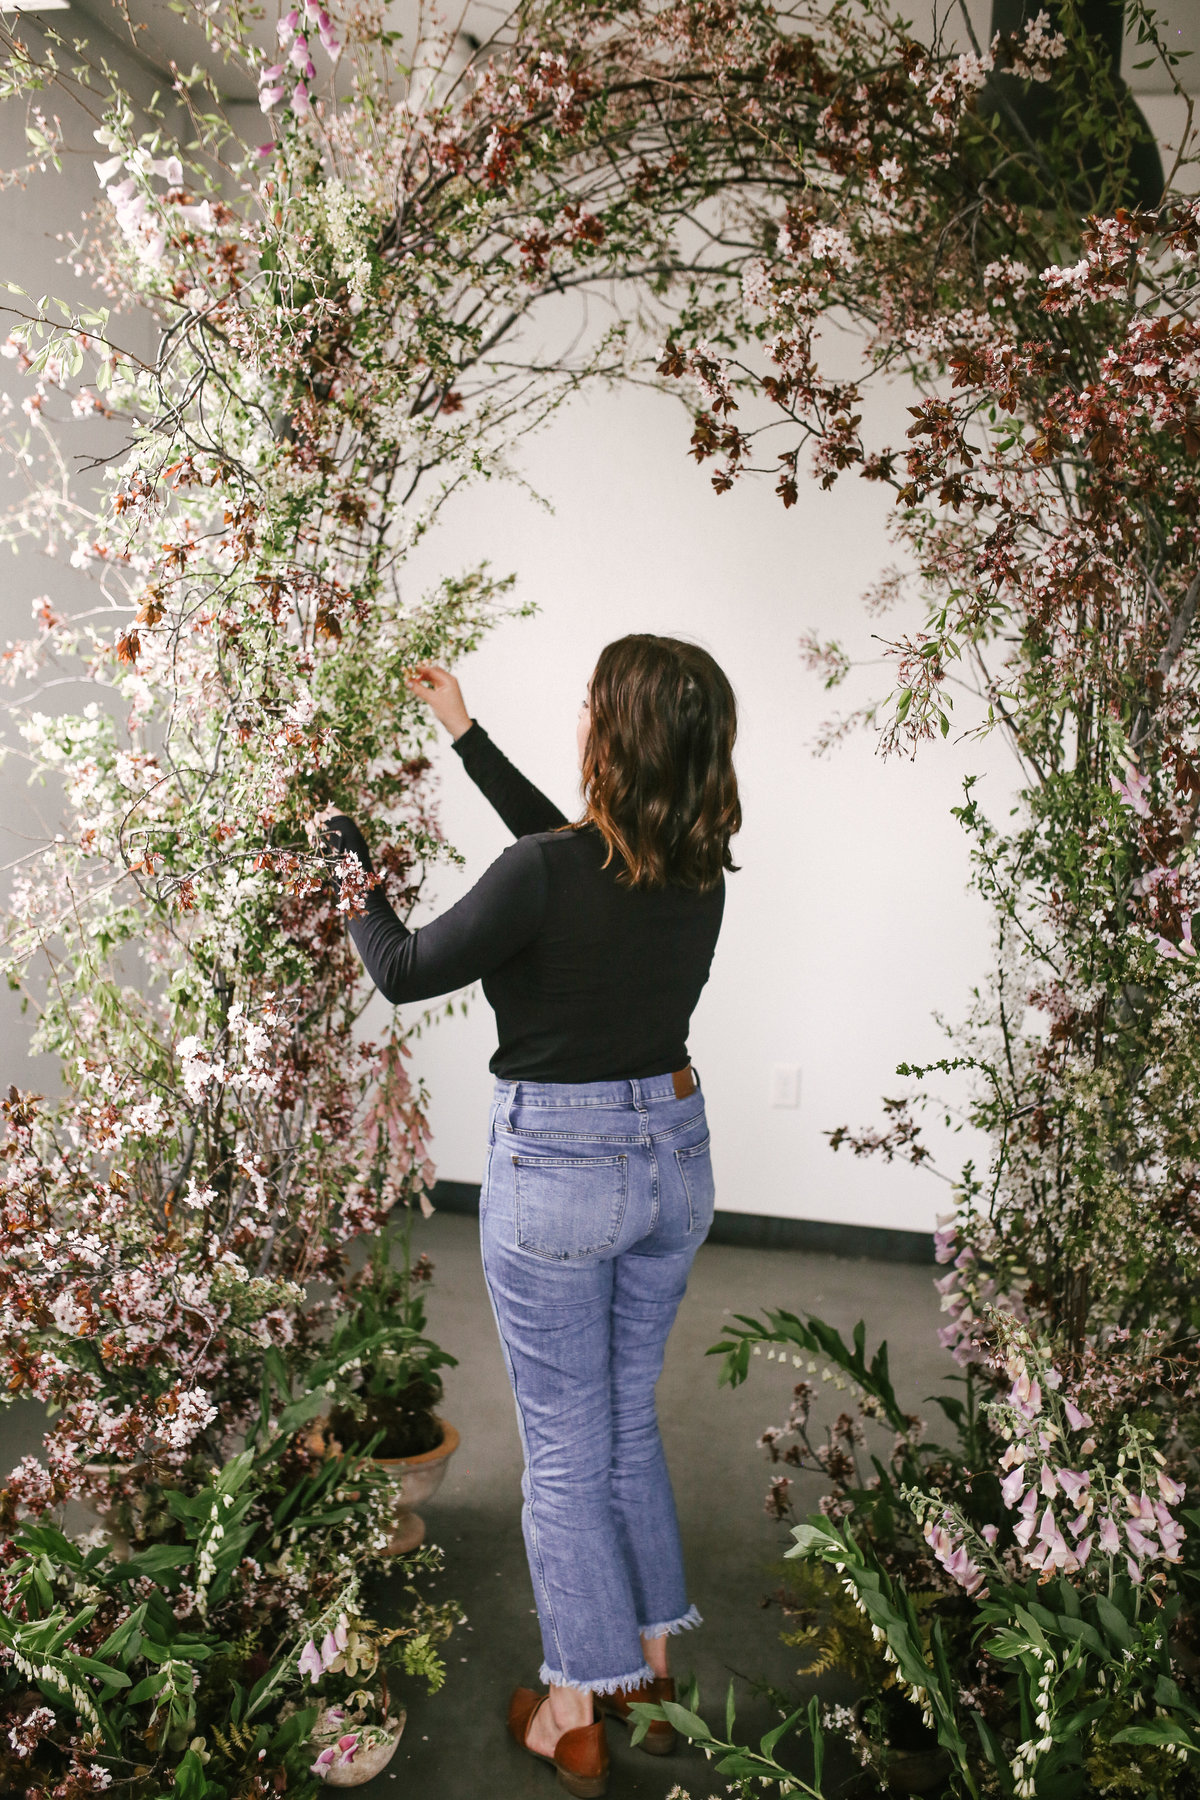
596, 1198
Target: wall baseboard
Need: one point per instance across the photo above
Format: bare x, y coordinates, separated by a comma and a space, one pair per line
762, 1231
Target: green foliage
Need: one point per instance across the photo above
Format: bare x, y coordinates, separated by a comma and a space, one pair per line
746, 1767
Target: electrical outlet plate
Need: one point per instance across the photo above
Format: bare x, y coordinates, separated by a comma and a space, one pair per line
785, 1084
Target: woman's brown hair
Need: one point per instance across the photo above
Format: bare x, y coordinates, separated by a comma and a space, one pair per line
658, 778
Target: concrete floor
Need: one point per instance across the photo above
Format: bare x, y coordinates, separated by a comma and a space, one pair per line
455, 1746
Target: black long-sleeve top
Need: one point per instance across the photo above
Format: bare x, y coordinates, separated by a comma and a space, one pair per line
589, 980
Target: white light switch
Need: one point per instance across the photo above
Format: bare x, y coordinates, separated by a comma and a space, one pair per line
785, 1084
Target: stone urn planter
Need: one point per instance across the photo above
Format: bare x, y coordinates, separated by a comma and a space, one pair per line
350, 1755
416, 1479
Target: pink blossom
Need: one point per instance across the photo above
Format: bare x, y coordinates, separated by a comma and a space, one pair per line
1185, 946
1013, 1484
301, 104
943, 1243
1073, 1485
1110, 1537
310, 1662
1075, 1419
1132, 791
1028, 1524
324, 1761
1138, 1542
1171, 1491
1026, 1395
1171, 1533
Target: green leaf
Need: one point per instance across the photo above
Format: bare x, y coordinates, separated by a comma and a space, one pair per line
190, 1780
770, 1738
1114, 1622
153, 1561
148, 1688
687, 1722
1162, 1731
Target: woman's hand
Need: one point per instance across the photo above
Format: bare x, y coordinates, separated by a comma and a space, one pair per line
442, 695
314, 828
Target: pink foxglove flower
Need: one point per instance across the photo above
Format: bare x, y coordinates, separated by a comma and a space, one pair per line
1013, 1485
1073, 1485
310, 1662
1132, 791
1171, 1491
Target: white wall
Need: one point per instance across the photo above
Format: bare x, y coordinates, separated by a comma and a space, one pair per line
849, 925
849, 922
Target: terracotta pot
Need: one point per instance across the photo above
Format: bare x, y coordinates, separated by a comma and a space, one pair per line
367, 1763
417, 1479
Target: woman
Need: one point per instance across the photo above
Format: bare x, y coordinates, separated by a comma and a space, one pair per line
593, 941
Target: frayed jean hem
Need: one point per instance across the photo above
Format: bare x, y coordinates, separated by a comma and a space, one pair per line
556, 1678
688, 1622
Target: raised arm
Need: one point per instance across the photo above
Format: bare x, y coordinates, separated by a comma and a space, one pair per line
497, 918
524, 808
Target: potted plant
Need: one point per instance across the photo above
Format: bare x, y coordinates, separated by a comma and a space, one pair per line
390, 1408
356, 1733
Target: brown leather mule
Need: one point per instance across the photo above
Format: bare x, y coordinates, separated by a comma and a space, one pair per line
660, 1738
580, 1756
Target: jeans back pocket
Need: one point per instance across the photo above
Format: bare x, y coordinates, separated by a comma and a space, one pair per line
569, 1207
695, 1167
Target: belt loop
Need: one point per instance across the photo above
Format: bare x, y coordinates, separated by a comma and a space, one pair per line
513, 1091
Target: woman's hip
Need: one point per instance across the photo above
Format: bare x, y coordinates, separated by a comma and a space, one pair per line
584, 1171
